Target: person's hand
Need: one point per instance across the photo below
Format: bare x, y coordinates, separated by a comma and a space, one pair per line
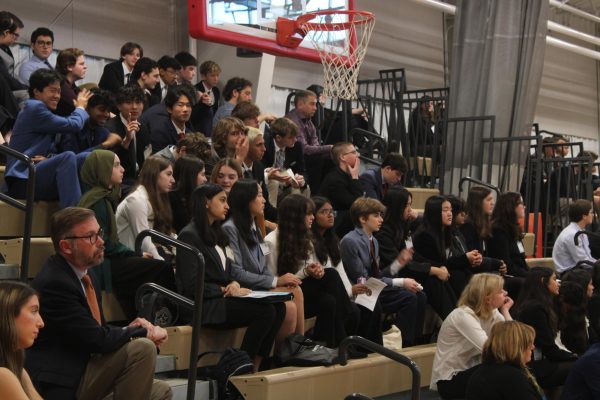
241, 148
298, 182
405, 256
158, 335
230, 289
240, 292
503, 268
277, 175
355, 170
504, 308
37, 159
414, 214
441, 273
205, 99
288, 280
145, 254
360, 289
82, 98
267, 117
411, 285
474, 257
315, 270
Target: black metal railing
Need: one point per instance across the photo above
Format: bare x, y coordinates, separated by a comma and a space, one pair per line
196, 305
374, 347
27, 207
477, 182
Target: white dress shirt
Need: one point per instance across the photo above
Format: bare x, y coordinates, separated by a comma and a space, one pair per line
565, 254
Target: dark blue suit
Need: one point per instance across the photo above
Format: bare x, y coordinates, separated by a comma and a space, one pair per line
372, 183
161, 131
34, 134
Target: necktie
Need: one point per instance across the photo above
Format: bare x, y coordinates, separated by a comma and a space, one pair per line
384, 190
127, 78
248, 173
92, 300
48, 65
374, 265
279, 158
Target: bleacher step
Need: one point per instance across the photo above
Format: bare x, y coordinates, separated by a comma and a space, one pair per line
203, 389
41, 248
13, 220
164, 364
9, 271
420, 196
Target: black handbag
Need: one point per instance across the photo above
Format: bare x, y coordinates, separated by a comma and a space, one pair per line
300, 351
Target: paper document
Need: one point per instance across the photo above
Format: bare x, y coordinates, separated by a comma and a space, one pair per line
376, 287
260, 294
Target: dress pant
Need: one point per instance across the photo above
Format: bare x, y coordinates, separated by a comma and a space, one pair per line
365, 323
440, 294
261, 319
409, 309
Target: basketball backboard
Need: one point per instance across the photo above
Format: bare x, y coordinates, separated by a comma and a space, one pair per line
251, 24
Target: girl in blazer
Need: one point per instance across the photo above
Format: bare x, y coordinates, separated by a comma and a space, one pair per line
223, 308
189, 173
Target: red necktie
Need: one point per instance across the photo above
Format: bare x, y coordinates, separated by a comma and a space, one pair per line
92, 300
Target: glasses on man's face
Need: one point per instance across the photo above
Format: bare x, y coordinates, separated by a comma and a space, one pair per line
351, 152
43, 43
92, 237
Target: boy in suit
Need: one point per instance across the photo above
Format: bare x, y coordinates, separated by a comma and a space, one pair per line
117, 74
376, 182
208, 97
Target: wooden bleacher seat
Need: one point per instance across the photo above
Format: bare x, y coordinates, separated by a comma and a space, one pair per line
373, 376
13, 220
529, 243
41, 248
2, 169
420, 196
541, 262
421, 164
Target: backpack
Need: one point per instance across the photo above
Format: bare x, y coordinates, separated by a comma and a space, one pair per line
300, 351
233, 362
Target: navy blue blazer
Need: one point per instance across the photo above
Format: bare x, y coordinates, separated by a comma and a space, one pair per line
294, 156
162, 133
355, 249
57, 360
35, 130
372, 183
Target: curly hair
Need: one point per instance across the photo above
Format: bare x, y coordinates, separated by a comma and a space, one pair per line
221, 132
293, 237
505, 216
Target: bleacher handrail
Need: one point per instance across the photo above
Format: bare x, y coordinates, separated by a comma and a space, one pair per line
197, 314
477, 182
391, 354
27, 206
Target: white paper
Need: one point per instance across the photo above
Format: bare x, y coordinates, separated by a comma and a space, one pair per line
367, 301
291, 174
259, 294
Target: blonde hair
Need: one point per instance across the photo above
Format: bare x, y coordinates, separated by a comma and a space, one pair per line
253, 133
476, 293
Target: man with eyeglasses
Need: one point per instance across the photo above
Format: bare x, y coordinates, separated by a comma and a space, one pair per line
168, 70
78, 355
42, 40
236, 90
12, 92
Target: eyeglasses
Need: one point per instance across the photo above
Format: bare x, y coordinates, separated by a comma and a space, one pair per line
92, 237
327, 212
43, 43
351, 152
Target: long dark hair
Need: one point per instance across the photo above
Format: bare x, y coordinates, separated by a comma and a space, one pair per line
535, 291
13, 296
240, 196
185, 172
293, 238
327, 244
474, 211
573, 301
211, 235
432, 223
395, 202
504, 215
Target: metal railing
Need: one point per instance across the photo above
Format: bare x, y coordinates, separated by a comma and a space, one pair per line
374, 347
477, 182
27, 207
196, 305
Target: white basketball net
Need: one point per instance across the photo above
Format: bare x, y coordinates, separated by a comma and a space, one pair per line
342, 49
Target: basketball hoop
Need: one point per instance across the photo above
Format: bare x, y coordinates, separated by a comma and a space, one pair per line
340, 37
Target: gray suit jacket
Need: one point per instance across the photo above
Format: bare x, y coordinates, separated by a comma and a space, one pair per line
246, 268
356, 256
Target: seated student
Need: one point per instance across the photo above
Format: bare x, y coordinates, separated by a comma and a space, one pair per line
167, 128
327, 248
360, 255
584, 279
291, 251
70, 63
376, 182
193, 144
283, 152
168, 71
188, 66
147, 207
229, 138
250, 114
20, 308
536, 307
42, 40
189, 173
572, 311
12, 92
34, 133
236, 90
565, 254
249, 264
122, 269
253, 168
209, 95
134, 135
94, 134
342, 184
503, 374
505, 243
394, 237
477, 228
145, 75
225, 173
583, 381
118, 73
78, 355
482, 304
221, 309
433, 241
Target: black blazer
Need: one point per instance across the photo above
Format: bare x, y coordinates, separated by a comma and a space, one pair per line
57, 360
202, 115
341, 190
501, 382
426, 245
258, 174
373, 183
132, 154
389, 248
476, 242
112, 78
294, 156
502, 246
215, 277
161, 131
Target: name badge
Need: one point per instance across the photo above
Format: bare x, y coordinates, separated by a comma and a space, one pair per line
520, 246
264, 247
